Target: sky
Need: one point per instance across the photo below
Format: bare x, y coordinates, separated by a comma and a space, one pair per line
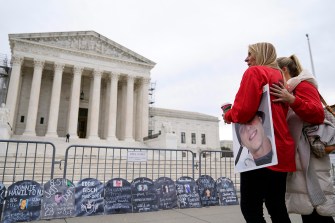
198, 46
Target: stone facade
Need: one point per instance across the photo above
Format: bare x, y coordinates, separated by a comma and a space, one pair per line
96, 90
79, 83
192, 130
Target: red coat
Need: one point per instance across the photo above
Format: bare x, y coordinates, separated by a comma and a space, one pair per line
307, 104
246, 103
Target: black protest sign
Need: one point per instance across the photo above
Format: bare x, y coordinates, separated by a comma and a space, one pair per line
23, 202
58, 199
227, 192
144, 196
187, 193
118, 196
89, 197
166, 193
207, 190
2, 197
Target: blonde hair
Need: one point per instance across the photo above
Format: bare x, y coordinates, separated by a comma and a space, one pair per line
292, 63
265, 54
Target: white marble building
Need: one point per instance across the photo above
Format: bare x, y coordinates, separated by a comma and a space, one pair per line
189, 130
79, 83
91, 87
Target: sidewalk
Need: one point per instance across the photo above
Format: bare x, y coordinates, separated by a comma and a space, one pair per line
213, 214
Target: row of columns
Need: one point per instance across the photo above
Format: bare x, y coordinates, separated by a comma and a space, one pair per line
94, 102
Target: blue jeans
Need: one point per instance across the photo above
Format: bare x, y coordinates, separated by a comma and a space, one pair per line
263, 185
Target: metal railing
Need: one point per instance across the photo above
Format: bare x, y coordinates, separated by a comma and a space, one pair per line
105, 163
26, 160
35, 160
218, 164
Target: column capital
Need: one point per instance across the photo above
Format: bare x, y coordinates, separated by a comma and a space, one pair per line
16, 60
38, 63
145, 80
77, 70
59, 66
130, 78
114, 76
97, 73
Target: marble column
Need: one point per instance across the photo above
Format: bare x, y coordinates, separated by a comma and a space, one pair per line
95, 106
34, 98
111, 126
55, 100
74, 102
13, 88
121, 110
138, 110
129, 109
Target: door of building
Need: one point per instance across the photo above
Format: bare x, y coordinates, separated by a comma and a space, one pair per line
82, 122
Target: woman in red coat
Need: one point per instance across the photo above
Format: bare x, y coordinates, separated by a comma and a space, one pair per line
265, 184
309, 190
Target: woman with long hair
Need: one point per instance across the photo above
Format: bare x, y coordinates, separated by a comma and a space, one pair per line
267, 184
309, 189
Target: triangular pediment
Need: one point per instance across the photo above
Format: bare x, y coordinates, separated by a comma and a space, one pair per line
84, 41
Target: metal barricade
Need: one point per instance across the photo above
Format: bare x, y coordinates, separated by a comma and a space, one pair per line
35, 160
218, 164
104, 163
26, 160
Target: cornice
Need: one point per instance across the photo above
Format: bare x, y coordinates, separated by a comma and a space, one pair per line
55, 50
182, 114
76, 34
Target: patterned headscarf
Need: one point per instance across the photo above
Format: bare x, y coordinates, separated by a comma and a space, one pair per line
265, 54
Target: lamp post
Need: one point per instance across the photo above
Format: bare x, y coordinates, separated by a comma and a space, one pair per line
310, 55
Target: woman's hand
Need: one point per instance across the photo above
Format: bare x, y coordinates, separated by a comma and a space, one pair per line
226, 122
281, 93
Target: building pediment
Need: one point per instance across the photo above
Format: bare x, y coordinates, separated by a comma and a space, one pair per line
83, 41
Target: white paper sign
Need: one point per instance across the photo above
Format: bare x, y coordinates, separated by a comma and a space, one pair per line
137, 156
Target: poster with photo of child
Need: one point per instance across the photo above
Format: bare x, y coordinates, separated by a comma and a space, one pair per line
253, 142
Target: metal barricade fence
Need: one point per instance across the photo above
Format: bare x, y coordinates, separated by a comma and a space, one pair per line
26, 160
218, 164
105, 163
35, 160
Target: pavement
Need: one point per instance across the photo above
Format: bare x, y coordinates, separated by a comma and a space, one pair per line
212, 214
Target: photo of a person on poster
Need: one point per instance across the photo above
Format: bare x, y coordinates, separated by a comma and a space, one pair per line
252, 136
253, 144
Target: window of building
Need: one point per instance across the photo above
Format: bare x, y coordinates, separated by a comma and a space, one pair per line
182, 138
22, 119
203, 139
194, 141
42, 120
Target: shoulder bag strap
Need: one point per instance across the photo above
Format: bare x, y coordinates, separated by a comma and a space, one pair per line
326, 105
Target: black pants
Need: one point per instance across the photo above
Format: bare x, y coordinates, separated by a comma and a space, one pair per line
315, 217
263, 185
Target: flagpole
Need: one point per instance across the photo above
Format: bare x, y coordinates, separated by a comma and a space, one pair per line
310, 55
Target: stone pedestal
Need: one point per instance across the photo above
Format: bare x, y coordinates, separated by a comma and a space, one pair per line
5, 131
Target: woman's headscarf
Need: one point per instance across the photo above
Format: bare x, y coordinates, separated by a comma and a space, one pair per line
265, 54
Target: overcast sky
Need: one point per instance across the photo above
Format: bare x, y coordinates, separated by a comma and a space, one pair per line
199, 46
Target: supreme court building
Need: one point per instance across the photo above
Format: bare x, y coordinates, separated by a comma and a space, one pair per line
79, 83
84, 84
